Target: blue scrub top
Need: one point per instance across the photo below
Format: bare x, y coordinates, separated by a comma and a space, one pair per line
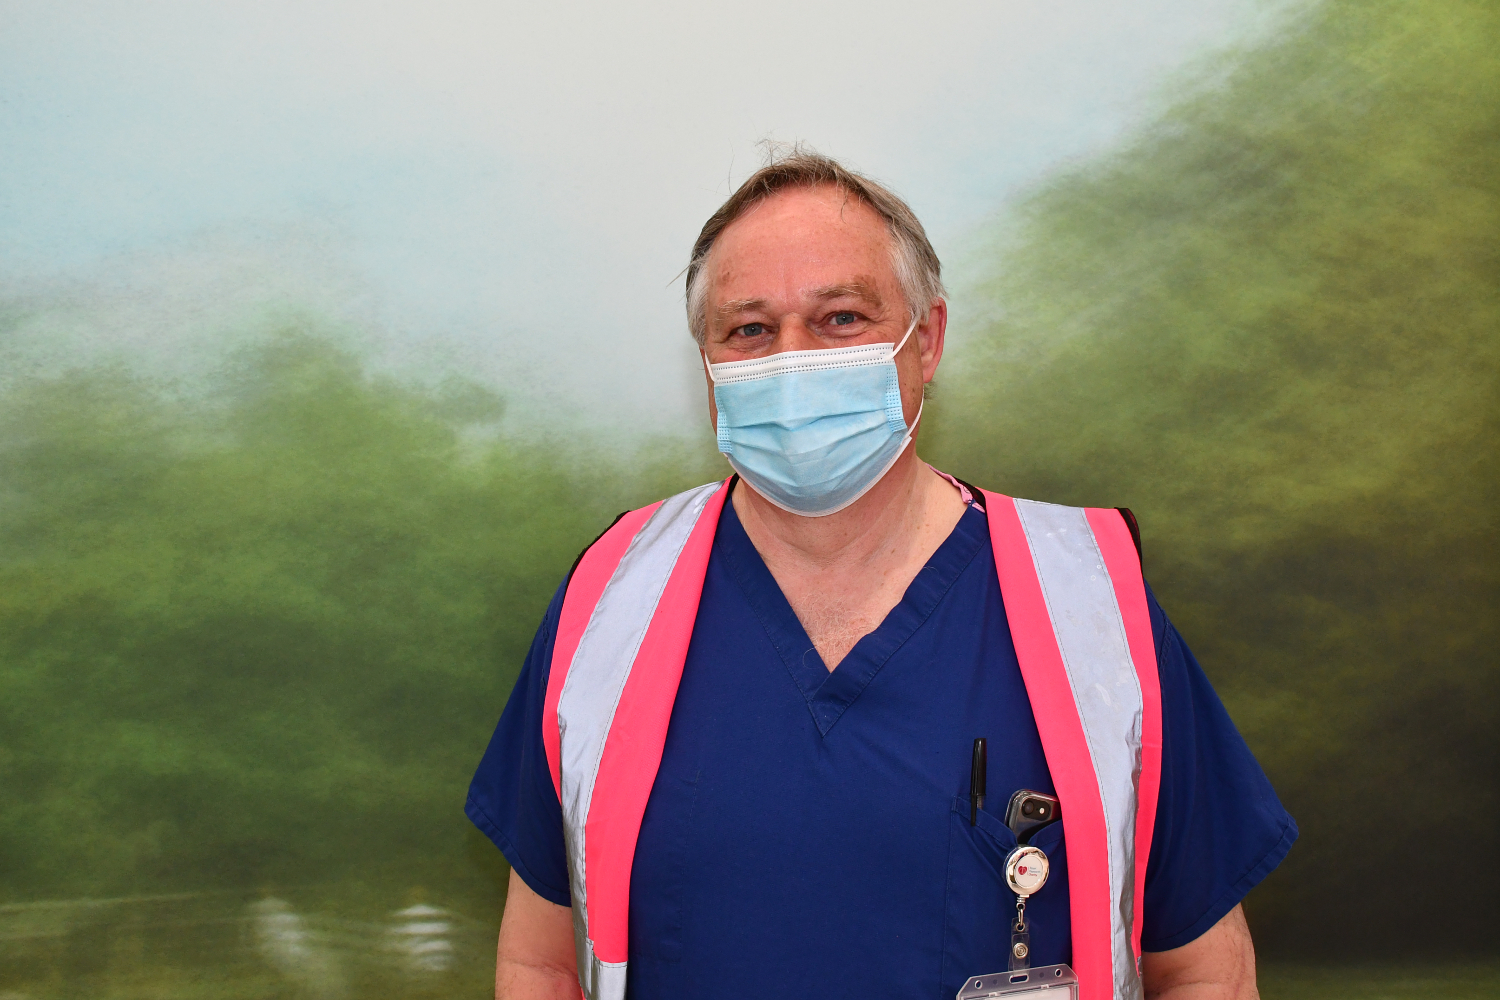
809, 830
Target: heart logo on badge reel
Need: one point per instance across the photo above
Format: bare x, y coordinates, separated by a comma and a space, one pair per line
1026, 870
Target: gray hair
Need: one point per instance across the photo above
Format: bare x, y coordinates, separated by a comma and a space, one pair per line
918, 270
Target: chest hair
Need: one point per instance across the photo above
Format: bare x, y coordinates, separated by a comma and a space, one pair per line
836, 625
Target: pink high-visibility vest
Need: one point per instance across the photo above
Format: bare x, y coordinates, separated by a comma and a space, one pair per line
1073, 593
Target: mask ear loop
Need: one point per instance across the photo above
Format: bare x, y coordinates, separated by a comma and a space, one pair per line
902, 342
708, 367
911, 428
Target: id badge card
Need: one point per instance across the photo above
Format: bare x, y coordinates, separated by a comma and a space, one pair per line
1049, 982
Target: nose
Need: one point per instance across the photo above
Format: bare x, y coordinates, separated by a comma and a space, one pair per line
793, 334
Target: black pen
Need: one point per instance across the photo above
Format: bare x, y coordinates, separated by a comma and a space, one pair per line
976, 781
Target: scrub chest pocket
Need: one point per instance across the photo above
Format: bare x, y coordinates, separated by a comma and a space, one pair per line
980, 906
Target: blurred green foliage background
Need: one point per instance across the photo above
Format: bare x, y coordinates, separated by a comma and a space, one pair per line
254, 634
1269, 326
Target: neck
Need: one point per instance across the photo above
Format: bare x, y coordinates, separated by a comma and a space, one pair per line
879, 527
842, 574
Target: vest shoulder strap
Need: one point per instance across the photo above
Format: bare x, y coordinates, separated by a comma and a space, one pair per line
622, 639
1076, 602
597, 538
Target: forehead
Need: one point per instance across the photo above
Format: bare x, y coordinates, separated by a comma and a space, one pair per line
800, 238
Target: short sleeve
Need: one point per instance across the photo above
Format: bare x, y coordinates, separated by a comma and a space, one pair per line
512, 799
1219, 827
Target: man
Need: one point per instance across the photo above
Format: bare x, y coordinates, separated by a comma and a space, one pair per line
739, 760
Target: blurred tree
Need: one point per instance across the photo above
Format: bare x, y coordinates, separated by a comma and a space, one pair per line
260, 634
1269, 325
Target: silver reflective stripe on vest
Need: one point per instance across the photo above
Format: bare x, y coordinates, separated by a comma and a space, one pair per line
590, 694
1096, 655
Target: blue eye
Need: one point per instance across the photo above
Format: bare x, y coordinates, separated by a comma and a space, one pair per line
752, 329
844, 318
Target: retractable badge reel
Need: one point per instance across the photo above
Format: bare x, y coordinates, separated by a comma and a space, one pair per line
1026, 871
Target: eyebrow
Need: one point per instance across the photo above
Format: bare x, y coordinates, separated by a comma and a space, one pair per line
850, 289
735, 306
862, 290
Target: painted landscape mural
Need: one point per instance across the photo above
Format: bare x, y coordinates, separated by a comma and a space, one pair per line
257, 620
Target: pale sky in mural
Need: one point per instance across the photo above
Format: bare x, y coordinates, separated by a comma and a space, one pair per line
507, 191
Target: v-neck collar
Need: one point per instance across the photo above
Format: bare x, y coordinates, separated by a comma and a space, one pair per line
829, 693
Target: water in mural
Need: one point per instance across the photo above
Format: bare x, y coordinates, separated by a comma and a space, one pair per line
224, 944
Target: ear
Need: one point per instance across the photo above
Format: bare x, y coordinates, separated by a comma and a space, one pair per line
929, 336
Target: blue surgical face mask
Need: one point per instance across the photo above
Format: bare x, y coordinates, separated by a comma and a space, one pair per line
812, 431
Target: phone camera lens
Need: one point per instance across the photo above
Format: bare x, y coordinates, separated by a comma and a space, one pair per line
1028, 808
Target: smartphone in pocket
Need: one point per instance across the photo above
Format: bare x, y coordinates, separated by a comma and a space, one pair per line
1029, 811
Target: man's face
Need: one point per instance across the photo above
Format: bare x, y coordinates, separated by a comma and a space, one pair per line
808, 269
